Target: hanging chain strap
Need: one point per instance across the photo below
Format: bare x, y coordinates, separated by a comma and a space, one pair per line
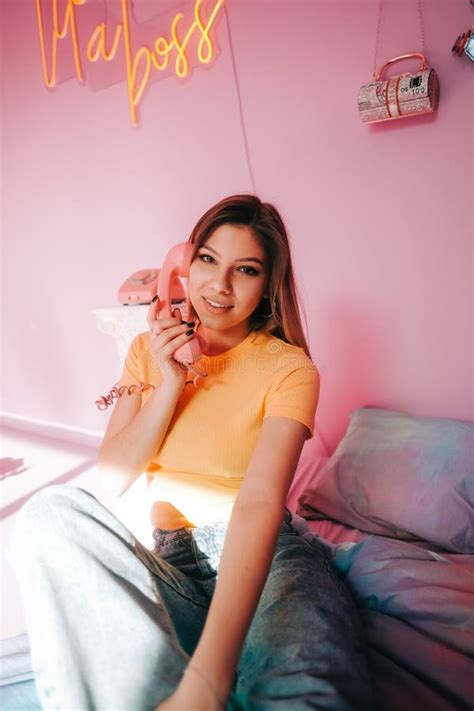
377, 33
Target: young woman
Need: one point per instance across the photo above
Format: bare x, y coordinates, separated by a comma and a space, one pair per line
234, 608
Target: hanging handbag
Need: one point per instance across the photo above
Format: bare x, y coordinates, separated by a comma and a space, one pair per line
409, 94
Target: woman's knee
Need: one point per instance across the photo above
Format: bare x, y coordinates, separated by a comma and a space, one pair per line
46, 510
55, 520
54, 501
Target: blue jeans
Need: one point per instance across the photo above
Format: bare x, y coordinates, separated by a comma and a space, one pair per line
113, 624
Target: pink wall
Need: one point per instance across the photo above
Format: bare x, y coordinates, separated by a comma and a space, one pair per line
380, 217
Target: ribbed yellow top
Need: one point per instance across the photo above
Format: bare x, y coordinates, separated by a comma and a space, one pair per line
205, 453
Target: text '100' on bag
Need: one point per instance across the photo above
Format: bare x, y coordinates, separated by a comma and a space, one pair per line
401, 96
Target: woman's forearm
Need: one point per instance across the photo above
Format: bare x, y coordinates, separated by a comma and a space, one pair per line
126, 455
246, 559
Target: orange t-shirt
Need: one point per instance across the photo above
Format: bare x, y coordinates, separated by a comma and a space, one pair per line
214, 428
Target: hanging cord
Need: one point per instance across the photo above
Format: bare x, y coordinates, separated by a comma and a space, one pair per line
422, 32
377, 33
239, 100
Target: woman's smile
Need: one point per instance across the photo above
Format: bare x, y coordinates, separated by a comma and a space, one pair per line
215, 309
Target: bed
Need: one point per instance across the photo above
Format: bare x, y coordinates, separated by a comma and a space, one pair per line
394, 505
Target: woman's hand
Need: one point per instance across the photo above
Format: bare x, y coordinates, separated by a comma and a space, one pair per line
167, 334
192, 694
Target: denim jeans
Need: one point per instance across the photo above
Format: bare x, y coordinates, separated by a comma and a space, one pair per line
113, 624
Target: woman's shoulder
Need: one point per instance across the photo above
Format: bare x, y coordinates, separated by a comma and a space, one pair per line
141, 341
140, 350
282, 355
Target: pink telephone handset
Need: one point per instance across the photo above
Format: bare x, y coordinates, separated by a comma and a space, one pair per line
173, 294
140, 288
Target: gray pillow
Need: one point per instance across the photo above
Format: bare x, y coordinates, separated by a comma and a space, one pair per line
400, 476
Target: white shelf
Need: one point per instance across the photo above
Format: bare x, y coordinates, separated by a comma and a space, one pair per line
123, 323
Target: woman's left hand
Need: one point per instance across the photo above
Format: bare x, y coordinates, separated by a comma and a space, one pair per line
192, 694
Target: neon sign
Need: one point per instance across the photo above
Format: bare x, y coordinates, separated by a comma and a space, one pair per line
143, 61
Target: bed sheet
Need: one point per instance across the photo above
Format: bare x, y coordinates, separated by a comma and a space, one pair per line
417, 605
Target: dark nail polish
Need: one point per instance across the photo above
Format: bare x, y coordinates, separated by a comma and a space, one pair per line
188, 333
154, 298
191, 323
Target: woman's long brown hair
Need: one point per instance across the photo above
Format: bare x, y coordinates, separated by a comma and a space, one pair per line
264, 221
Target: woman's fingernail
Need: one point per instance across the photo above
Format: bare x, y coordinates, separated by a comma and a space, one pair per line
154, 298
191, 323
188, 333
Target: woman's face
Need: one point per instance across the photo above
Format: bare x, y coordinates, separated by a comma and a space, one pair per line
228, 269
